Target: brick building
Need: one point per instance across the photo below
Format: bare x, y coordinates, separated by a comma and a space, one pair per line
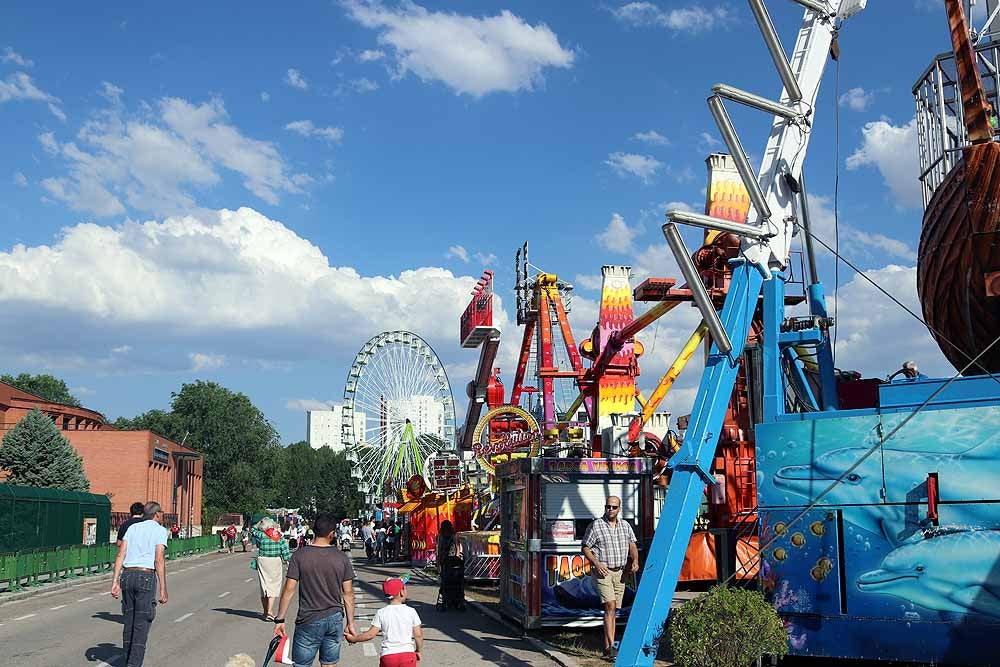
128, 466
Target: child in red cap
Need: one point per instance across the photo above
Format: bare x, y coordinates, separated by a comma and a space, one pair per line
400, 626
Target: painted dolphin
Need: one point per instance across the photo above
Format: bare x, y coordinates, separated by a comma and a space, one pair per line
973, 471
953, 572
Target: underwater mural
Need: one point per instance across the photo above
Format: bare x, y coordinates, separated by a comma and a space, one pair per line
847, 533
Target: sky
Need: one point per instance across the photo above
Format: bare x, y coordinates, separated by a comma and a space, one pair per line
246, 193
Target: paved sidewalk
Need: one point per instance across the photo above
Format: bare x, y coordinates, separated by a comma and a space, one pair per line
456, 638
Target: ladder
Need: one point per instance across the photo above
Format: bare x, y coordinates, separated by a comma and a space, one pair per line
765, 243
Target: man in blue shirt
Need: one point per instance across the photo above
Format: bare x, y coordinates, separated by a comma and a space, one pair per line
140, 570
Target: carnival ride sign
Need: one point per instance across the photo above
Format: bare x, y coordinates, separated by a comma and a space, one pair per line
443, 471
415, 487
505, 432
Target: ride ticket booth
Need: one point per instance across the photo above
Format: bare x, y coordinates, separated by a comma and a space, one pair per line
546, 505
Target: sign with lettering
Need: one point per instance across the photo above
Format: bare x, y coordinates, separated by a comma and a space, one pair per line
594, 466
503, 433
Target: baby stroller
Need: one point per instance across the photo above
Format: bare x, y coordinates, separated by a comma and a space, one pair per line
452, 591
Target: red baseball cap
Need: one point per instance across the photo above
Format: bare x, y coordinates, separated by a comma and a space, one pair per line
393, 586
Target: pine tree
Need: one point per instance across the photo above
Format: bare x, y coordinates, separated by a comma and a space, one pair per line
35, 453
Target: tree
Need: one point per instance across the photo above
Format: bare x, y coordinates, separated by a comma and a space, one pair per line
336, 491
35, 453
46, 386
298, 476
158, 421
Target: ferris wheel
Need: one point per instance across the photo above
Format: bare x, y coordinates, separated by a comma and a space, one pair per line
398, 409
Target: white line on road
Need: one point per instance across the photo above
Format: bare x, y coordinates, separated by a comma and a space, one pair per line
26, 616
54, 608
185, 617
222, 595
249, 580
85, 599
369, 649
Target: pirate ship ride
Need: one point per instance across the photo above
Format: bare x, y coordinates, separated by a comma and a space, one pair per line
958, 265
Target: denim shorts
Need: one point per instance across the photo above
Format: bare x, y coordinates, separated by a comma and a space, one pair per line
321, 635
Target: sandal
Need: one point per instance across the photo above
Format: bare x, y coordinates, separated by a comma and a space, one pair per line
269, 617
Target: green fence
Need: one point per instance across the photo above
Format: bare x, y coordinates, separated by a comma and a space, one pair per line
33, 518
27, 568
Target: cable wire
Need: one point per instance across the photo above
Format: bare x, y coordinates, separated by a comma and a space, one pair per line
864, 457
836, 204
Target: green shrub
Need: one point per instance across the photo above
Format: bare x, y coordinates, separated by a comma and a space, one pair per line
726, 627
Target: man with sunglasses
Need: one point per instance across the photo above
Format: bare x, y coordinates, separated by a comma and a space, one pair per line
609, 545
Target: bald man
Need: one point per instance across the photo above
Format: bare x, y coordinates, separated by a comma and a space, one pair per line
609, 545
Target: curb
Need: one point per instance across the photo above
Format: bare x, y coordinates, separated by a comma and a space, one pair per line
550, 652
46, 589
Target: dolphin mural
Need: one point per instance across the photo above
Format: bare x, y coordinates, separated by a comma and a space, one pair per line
974, 472
951, 572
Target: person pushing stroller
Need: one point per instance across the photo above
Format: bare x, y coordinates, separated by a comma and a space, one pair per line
451, 565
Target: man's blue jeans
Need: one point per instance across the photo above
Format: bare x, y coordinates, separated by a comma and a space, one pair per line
139, 609
320, 636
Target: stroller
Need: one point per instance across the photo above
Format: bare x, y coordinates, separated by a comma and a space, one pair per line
452, 590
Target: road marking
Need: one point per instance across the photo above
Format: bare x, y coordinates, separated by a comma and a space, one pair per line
369, 649
108, 664
224, 594
185, 617
54, 608
249, 580
85, 599
26, 616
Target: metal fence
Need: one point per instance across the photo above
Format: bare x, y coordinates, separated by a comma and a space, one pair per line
32, 566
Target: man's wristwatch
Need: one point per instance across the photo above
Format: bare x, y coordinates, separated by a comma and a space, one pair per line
278, 620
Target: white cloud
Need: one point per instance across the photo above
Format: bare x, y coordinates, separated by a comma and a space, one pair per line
363, 85
458, 252
470, 55
153, 161
485, 259
294, 79
121, 349
206, 362
265, 96
18, 87
691, 19
875, 336
589, 281
893, 151
857, 99
651, 137
306, 128
20, 179
707, 142
370, 55
643, 166
12, 56
82, 391
618, 236
111, 92
224, 280
854, 241
306, 404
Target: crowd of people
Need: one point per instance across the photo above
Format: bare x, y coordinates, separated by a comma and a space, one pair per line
322, 575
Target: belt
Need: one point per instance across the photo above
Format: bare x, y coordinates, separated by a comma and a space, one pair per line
617, 569
139, 569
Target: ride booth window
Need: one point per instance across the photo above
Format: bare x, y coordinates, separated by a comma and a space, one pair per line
582, 502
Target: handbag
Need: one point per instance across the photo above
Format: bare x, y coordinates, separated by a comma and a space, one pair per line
280, 649
253, 563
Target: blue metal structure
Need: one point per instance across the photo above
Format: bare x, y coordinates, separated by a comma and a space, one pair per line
879, 519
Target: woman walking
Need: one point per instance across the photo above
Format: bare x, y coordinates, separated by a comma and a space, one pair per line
271, 555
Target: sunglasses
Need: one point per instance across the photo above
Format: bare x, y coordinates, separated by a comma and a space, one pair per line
611, 507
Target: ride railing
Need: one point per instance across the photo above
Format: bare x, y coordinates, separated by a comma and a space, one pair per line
33, 567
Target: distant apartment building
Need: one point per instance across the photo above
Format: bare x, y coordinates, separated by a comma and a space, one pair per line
426, 414
324, 428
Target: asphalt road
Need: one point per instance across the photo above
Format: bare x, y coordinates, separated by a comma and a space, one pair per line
214, 612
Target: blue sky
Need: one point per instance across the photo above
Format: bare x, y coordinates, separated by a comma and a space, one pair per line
247, 193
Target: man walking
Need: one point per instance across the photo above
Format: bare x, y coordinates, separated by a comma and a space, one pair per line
135, 516
140, 571
324, 577
609, 545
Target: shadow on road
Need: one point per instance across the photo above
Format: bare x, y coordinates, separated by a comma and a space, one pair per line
239, 612
108, 616
107, 653
464, 628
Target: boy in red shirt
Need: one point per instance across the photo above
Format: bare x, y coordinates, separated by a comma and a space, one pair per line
400, 626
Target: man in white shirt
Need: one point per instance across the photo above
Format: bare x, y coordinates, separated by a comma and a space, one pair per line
140, 570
